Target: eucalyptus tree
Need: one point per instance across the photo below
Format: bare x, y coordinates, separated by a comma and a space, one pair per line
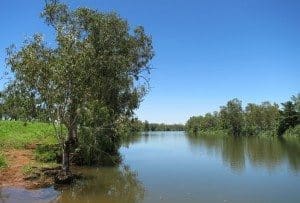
97, 61
18, 102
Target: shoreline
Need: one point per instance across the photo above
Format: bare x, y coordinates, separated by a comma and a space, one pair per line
23, 171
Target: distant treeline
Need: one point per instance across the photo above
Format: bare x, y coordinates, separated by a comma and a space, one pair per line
162, 127
255, 119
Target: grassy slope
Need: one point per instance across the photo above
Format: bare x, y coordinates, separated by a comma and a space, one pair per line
17, 134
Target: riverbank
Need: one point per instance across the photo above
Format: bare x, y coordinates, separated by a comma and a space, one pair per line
292, 133
23, 170
23, 162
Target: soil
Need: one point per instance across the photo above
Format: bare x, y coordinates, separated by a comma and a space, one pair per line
13, 175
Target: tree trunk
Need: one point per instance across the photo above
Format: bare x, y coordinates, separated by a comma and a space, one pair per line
68, 145
71, 141
66, 157
72, 135
65, 176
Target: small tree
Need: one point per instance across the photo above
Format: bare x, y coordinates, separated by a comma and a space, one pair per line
98, 61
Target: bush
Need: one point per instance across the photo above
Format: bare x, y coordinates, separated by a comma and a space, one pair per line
3, 162
293, 132
97, 148
47, 153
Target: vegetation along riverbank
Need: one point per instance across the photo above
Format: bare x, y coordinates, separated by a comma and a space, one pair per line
28, 154
265, 119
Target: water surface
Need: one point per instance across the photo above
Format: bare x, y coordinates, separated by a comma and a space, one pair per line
174, 167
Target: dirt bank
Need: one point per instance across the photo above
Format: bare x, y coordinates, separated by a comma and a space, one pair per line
15, 174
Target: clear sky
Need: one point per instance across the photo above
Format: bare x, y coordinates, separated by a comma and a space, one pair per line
207, 51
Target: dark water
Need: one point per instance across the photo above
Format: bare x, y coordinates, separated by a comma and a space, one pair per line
173, 167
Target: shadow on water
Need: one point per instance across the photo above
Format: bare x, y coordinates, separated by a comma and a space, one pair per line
107, 185
133, 138
236, 152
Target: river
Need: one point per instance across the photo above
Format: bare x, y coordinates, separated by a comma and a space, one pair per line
173, 167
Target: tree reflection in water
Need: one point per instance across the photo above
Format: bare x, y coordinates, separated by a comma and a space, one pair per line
106, 184
266, 152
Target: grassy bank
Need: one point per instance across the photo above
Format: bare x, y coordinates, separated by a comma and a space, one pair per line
26, 150
18, 134
37, 136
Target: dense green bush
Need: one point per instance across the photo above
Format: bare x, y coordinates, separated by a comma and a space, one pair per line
97, 148
47, 152
98, 137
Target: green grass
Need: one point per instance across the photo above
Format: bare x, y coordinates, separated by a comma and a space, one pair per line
18, 134
3, 162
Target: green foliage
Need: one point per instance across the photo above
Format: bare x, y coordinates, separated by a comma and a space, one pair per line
289, 117
128, 126
99, 139
47, 153
18, 134
262, 120
99, 65
231, 117
19, 102
97, 148
293, 132
146, 127
209, 122
3, 162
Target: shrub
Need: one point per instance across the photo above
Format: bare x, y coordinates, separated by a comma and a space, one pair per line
293, 132
3, 162
47, 153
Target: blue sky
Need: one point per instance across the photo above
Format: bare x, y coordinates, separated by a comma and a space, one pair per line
207, 51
